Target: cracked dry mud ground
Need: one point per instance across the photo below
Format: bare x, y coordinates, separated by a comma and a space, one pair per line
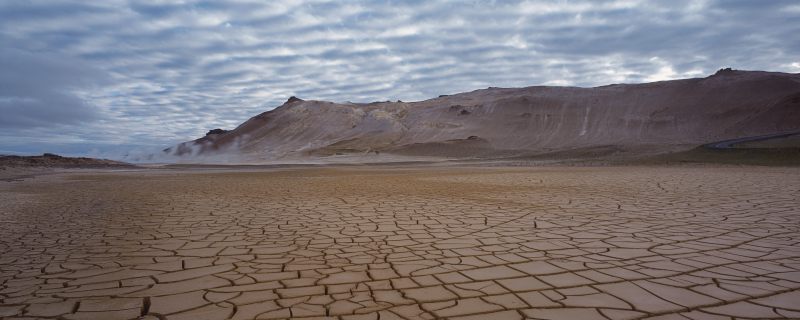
422, 243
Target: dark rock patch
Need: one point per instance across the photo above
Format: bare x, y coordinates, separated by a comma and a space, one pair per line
216, 131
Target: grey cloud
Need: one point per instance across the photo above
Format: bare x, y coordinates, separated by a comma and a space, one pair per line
167, 72
39, 90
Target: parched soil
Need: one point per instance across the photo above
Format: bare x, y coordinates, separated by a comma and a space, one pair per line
403, 243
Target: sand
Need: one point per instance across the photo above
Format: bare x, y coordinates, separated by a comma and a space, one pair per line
403, 243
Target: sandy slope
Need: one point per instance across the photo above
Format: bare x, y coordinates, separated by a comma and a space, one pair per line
497, 122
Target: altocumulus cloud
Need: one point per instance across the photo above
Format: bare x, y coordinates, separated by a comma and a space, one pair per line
103, 77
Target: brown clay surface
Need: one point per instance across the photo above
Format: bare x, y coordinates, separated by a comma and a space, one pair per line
393, 243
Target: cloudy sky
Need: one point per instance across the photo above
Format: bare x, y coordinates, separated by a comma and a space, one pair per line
104, 77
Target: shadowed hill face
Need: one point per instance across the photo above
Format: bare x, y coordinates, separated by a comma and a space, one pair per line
507, 122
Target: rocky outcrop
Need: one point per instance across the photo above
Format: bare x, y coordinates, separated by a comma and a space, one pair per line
216, 132
294, 99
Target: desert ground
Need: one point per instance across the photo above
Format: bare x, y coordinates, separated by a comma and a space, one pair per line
390, 242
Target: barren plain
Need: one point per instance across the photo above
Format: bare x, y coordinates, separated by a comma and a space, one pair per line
713, 242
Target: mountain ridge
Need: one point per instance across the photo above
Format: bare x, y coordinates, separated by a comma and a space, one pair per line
509, 122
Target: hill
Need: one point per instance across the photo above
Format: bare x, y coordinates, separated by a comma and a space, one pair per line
626, 119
